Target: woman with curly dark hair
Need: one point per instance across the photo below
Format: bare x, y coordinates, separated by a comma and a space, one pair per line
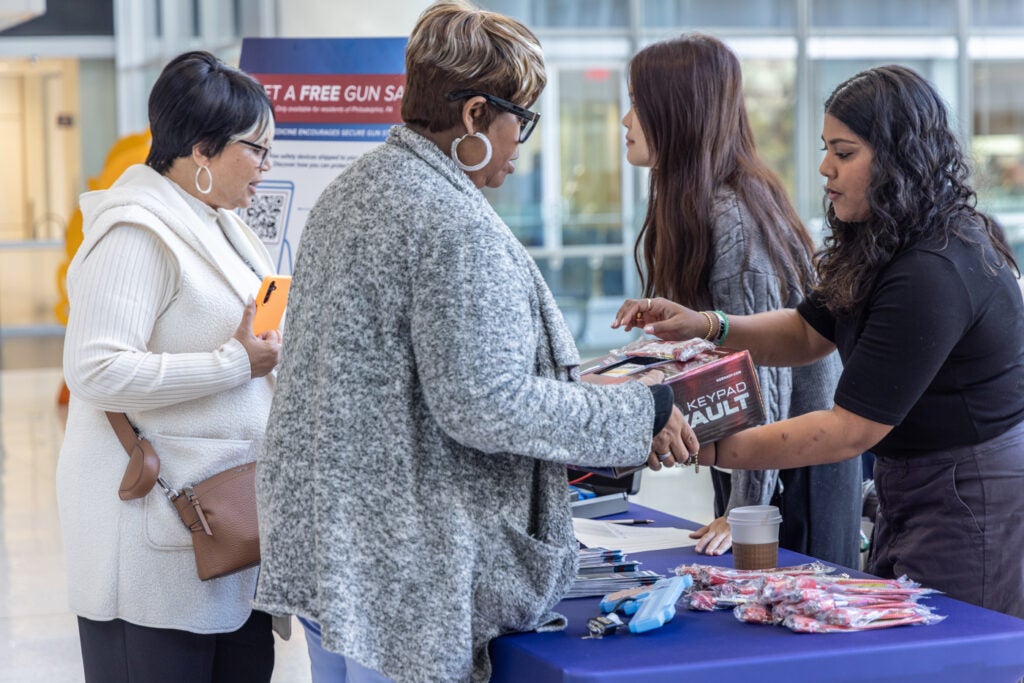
917, 291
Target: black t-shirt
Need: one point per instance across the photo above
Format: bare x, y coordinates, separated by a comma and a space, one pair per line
937, 351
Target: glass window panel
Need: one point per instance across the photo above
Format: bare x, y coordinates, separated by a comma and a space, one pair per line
827, 74
222, 20
518, 200
97, 111
579, 13
249, 18
884, 13
591, 141
720, 13
572, 15
997, 13
589, 290
769, 90
519, 9
998, 143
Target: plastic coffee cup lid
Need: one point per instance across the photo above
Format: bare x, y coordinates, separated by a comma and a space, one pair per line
755, 514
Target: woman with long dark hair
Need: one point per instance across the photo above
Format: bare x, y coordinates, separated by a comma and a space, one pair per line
720, 233
917, 291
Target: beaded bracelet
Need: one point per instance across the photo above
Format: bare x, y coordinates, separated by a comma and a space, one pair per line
723, 328
711, 326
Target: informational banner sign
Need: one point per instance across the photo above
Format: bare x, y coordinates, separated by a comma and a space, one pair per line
334, 100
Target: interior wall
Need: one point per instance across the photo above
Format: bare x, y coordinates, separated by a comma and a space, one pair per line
97, 82
41, 178
12, 173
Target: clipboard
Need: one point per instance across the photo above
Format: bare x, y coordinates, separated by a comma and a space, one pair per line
270, 303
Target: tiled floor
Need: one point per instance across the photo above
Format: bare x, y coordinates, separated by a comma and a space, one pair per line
38, 636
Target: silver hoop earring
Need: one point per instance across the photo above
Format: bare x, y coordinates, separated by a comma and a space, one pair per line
209, 187
475, 167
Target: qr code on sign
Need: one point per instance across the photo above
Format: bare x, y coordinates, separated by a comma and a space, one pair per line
267, 215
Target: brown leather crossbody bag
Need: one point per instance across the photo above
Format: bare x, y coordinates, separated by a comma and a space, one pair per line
220, 512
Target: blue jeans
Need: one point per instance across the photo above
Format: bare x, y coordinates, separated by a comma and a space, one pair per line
330, 667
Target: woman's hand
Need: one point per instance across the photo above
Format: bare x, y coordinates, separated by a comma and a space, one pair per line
652, 377
662, 318
674, 443
265, 350
715, 538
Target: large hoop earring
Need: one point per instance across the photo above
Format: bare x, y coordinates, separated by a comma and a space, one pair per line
209, 187
475, 167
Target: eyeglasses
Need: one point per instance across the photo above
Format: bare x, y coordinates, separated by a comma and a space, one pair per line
527, 119
259, 148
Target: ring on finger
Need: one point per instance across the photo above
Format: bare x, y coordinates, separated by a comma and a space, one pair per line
648, 305
664, 456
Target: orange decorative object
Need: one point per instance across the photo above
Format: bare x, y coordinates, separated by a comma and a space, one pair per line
129, 150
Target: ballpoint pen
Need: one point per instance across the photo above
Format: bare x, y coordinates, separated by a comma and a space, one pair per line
631, 521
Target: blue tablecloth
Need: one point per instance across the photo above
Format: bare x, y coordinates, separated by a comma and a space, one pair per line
971, 645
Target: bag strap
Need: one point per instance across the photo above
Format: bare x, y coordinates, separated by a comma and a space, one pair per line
128, 437
126, 433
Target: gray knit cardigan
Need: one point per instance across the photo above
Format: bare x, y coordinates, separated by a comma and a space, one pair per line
412, 489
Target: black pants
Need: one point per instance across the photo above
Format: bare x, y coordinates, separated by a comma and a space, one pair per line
951, 520
119, 652
820, 506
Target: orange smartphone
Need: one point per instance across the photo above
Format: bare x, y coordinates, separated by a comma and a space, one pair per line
270, 303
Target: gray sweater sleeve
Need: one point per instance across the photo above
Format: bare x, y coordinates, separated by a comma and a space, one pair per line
744, 294
742, 283
472, 320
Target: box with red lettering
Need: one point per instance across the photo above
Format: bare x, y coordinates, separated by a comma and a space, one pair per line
715, 388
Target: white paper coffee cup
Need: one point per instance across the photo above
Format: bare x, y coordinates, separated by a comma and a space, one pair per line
755, 536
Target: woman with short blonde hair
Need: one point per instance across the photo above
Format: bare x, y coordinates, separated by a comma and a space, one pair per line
459, 50
412, 493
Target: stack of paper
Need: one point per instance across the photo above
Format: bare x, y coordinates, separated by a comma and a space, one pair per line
604, 561
604, 571
631, 539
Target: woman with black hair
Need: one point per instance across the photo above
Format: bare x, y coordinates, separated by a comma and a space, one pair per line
917, 291
160, 328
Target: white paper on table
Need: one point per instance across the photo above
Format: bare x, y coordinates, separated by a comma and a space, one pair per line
630, 538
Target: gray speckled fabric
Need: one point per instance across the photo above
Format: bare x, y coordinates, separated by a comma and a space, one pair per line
412, 490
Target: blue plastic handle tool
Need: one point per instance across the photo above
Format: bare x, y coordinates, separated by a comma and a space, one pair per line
659, 606
615, 600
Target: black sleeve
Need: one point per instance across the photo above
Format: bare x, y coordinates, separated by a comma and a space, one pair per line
663, 401
813, 310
